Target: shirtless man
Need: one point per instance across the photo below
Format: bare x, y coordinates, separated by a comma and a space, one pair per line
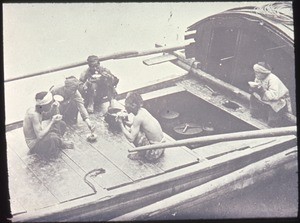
45, 141
143, 130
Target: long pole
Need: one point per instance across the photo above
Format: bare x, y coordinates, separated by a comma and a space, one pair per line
114, 56
222, 137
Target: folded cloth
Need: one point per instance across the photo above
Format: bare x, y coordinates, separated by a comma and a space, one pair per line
152, 154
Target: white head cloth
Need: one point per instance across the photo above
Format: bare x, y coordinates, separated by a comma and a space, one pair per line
46, 100
261, 69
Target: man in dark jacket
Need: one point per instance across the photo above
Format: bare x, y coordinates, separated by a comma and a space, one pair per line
97, 84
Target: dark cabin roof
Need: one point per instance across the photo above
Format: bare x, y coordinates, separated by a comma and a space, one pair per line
273, 15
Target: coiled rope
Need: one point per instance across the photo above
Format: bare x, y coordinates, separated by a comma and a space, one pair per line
280, 12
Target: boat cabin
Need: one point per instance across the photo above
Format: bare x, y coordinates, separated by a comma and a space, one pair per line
228, 44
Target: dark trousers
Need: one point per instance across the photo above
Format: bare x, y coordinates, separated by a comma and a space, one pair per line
264, 111
50, 145
97, 93
69, 111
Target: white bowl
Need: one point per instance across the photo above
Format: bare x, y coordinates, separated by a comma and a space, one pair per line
253, 84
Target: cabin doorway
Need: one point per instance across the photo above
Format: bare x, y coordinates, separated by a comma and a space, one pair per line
221, 56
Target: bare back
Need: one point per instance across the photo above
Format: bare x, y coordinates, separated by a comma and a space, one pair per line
149, 125
28, 129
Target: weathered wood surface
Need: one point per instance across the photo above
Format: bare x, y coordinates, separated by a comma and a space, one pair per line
88, 159
218, 149
256, 149
240, 178
178, 181
57, 176
25, 189
114, 146
117, 152
159, 59
158, 93
169, 161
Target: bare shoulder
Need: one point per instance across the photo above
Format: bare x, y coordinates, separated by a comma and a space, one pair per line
31, 113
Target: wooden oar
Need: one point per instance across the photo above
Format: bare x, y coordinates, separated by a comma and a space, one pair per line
114, 56
222, 137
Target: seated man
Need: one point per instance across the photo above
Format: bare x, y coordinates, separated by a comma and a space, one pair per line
144, 130
270, 96
72, 102
97, 84
45, 141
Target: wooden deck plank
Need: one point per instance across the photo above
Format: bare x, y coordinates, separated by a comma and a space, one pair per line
16, 207
232, 147
169, 161
176, 158
55, 174
88, 158
115, 147
216, 149
24, 187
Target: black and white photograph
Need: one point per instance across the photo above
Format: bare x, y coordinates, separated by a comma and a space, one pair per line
152, 111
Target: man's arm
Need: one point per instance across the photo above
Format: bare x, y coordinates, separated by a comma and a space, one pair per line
272, 92
134, 130
37, 127
82, 110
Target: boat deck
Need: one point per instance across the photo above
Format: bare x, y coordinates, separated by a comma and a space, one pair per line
92, 173
62, 179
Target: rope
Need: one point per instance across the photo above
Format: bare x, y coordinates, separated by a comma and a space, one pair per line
280, 12
97, 172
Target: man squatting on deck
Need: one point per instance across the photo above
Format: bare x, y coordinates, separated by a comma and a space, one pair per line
143, 130
270, 97
97, 85
45, 141
72, 102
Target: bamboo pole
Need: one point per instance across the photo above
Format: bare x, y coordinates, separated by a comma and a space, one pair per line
222, 137
238, 179
114, 56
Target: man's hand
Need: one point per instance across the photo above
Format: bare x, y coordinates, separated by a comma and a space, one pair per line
86, 84
55, 104
257, 96
90, 125
56, 118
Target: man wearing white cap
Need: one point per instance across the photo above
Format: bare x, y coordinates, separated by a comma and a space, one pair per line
270, 96
45, 141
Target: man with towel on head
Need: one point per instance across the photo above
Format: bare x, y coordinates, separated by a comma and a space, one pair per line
97, 85
44, 140
72, 102
143, 130
270, 97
